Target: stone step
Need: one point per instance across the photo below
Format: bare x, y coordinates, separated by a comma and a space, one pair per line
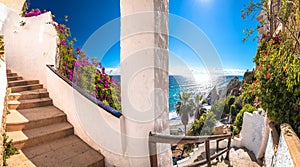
8, 71
12, 74
31, 94
36, 136
22, 82
32, 118
15, 89
31, 103
14, 78
68, 151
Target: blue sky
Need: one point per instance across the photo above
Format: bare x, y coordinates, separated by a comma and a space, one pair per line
219, 20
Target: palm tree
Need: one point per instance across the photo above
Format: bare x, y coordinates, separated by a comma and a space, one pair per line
184, 108
198, 105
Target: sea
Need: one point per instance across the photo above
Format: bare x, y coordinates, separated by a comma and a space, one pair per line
196, 85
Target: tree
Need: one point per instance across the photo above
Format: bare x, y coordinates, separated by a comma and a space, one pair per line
204, 125
198, 106
184, 108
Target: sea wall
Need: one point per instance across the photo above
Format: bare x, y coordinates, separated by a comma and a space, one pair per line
32, 41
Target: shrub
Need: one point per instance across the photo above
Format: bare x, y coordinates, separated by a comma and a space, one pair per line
230, 100
233, 110
219, 107
234, 130
203, 126
278, 77
277, 62
239, 118
239, 103
9, 149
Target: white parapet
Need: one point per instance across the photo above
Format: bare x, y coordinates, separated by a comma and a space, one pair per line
253, 133
144, 79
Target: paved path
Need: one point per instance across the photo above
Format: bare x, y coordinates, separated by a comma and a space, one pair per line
239, 157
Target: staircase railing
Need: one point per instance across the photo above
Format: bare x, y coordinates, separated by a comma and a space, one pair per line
171, 139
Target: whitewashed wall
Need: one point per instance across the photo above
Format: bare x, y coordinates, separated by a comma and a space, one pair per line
3, 82
3, 85
33, 45
282, 158
269, 154
94, 125
16, 5
252, 133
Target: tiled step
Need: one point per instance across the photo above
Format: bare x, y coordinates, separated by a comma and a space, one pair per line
68, 151
22, 82
36, 136
31, 103
14, 78
31, 94
15, 89
33, 118
12, 74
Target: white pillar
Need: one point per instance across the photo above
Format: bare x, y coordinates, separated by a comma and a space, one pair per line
144, 79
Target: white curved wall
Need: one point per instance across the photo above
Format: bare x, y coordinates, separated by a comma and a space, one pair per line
94, 125
33, 45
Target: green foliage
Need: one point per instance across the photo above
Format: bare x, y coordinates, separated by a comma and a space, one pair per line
184, 108
198, 106
204, 125
239, 103
250, 90
9, 149
87, 74
209, 124
187, 148
233, 110
277, 88
239, 118
230, 100
220, 107
234, 130
278, 77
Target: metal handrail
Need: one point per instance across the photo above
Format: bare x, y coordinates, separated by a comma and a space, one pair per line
171, 139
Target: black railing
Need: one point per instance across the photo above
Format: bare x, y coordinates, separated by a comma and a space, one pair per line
171, 139
107, 108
